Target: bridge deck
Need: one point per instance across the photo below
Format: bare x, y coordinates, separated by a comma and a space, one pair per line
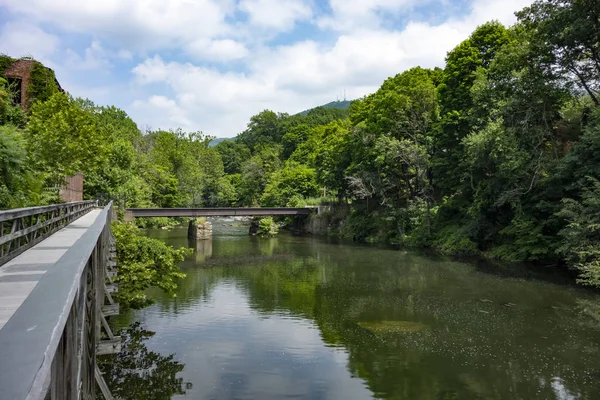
218, 212
20, 275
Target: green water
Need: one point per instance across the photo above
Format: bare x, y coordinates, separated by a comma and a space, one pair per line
305, 318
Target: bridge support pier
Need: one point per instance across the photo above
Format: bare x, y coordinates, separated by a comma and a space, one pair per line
199, 228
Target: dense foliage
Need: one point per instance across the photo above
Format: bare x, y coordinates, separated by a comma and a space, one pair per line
144, 262
497, 153
267, 227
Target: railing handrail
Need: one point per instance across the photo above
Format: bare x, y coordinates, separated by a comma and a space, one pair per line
30, 338
23, 228
6, 215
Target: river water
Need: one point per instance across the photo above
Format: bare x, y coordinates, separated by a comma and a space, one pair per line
309, 318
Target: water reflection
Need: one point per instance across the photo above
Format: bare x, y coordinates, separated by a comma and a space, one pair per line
301, 317
202, 249
137, 373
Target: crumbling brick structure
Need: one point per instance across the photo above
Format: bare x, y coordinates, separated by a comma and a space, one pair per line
18, 75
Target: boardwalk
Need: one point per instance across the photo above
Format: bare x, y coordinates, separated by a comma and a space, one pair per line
56, 279
20, 275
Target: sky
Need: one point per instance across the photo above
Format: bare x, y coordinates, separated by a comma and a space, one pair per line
209, 65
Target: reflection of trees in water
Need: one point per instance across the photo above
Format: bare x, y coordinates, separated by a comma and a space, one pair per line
139, 374
486, 336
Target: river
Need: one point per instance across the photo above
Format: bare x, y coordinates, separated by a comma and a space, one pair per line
311, 318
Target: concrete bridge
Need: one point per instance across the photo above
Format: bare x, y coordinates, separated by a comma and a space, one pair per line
57, 265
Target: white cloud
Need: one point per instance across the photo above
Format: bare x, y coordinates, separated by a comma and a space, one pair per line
348, 15
295, 77
220, 50
21, 39
94, 57
361, 51
172, 114
276, 14
136, 25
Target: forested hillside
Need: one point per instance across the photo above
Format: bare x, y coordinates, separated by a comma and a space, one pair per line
339, 104
496, 153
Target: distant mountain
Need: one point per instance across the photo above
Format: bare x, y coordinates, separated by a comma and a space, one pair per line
216, 141
340, 104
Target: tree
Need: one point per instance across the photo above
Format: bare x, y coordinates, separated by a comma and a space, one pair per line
10, 114
332, 156
462, 64
256, 173
581, 236
233, 154
265, 128
294, 138
144, 262
117, 173
63, 139
391, 140
19, 186
292, 182
567, 35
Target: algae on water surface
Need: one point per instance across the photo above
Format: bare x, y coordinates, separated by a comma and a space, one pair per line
379, 327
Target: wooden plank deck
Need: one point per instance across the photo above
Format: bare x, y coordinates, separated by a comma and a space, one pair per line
20, 275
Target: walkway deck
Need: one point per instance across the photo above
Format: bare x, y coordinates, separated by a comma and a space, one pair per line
19, 276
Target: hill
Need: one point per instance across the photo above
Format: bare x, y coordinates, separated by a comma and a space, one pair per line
340, 104
216, 141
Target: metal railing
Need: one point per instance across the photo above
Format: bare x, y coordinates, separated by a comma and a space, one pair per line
23, 228
48, 347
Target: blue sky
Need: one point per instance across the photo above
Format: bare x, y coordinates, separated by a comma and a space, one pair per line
211, 64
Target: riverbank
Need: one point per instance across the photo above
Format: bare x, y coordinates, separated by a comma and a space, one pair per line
339, 221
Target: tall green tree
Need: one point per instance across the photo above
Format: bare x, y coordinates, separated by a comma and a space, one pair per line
293, 183
63, 138
19, 186
462, 64
567, 34
256, 173
233, 155
265, 128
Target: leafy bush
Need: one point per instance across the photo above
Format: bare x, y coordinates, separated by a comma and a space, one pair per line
358, 227
267, 227
581, 237
156, 222
293, 181
453, 240
144, 263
